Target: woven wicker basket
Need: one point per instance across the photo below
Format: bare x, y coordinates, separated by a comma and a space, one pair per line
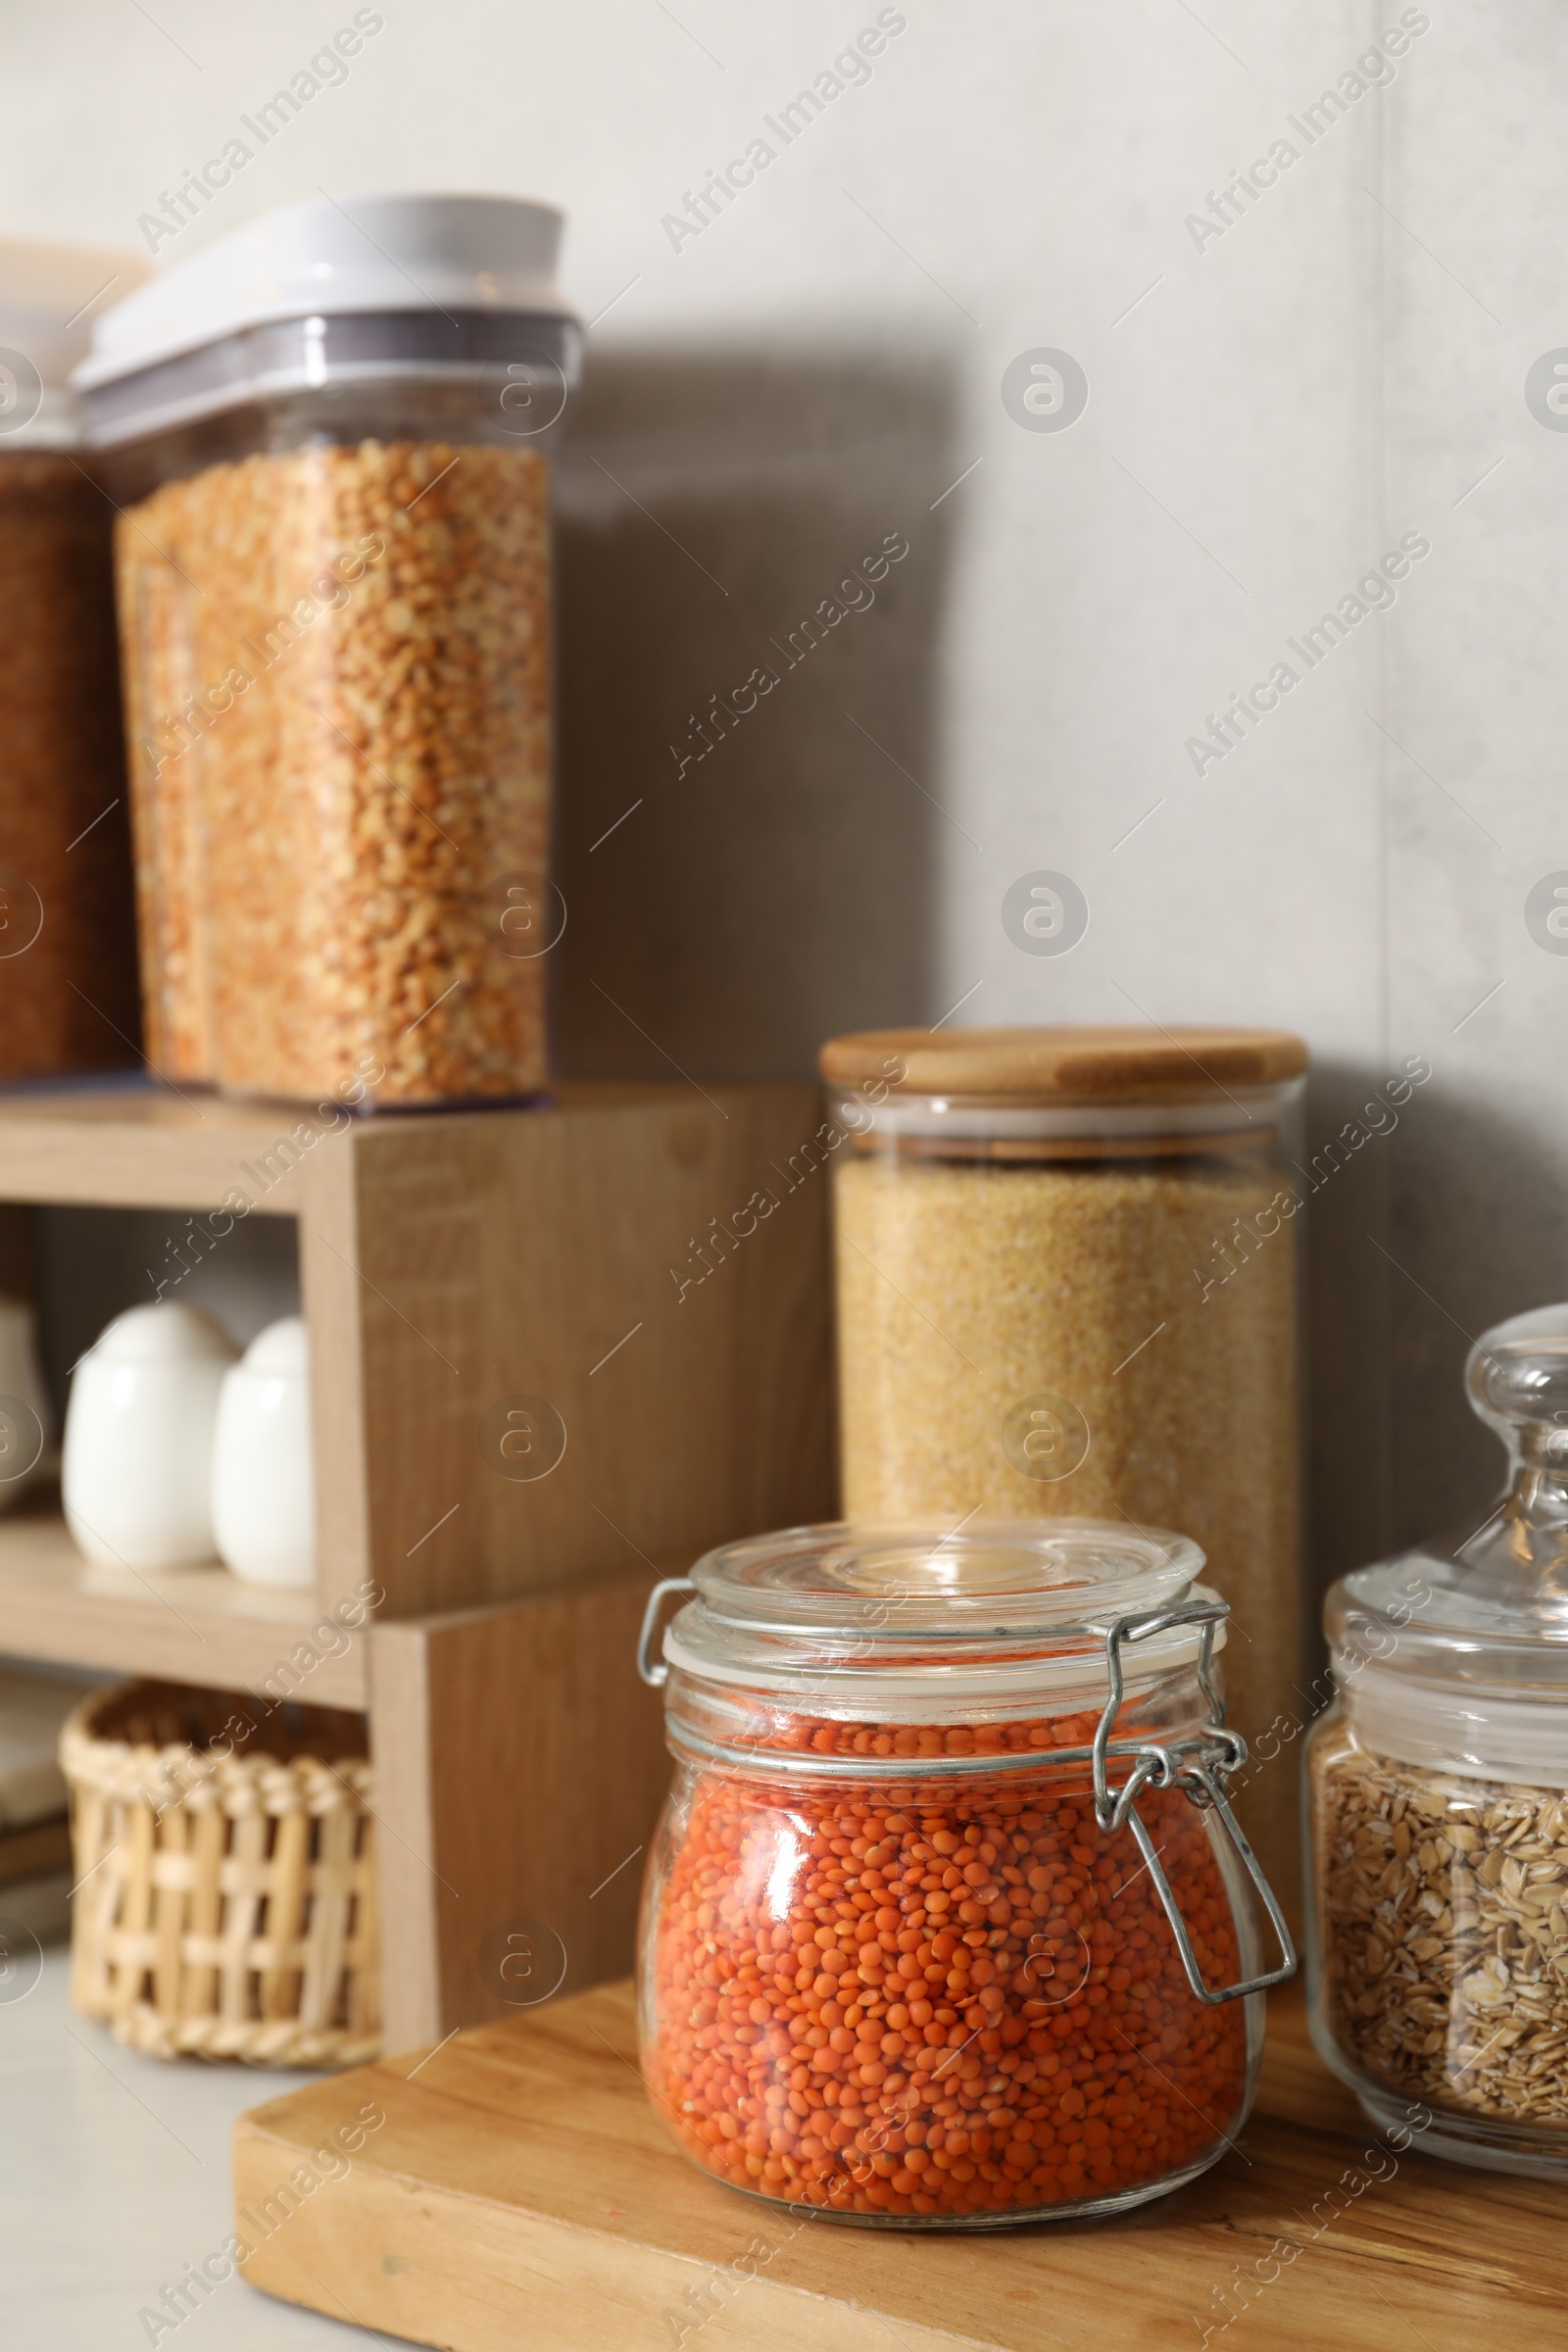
225, 1872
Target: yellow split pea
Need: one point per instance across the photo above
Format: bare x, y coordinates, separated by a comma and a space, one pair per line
338, 698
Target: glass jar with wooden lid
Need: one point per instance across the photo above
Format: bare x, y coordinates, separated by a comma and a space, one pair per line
1067, 1274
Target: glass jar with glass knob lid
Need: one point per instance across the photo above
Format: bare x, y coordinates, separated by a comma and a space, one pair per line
1438, 1786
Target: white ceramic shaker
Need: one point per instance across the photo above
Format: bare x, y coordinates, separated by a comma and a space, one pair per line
262, 1486
136, 1478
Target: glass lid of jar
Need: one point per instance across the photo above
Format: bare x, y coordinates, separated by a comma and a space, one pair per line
998, 1598
989, 1580
1487, 1604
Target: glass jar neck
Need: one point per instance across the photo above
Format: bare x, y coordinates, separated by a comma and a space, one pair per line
1537, 1469
1258, 1109
1469, 1730
1518, 1559
825, 1727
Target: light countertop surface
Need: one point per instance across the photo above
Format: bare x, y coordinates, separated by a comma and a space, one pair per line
114, 2179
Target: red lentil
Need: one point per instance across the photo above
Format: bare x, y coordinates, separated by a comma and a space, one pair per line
940, 1999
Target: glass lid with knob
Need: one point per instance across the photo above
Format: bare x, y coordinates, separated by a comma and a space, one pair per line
1489, 1605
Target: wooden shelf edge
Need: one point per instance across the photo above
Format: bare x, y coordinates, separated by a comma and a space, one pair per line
147, 1146
198, 1625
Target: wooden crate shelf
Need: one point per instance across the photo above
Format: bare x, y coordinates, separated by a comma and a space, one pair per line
450, 1265
450, 1261
521, 2188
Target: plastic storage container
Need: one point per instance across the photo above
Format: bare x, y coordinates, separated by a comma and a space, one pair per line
334, 580
1439, 1798
1068, 1282
68, 972
947, 1923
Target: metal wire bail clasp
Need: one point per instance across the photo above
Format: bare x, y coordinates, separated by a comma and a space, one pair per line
654, 1671
1192, 1764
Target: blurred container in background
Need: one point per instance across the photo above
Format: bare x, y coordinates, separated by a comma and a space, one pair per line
334, 584
68, 978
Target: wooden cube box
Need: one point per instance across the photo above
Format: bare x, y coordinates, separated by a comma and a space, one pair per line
554, 1353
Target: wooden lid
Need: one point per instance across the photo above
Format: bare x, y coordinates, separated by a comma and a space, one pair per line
1077, 1064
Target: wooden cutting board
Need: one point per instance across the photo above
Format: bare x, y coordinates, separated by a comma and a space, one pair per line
519, 2190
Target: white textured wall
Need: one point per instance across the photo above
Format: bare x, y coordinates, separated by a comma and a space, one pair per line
818, 367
